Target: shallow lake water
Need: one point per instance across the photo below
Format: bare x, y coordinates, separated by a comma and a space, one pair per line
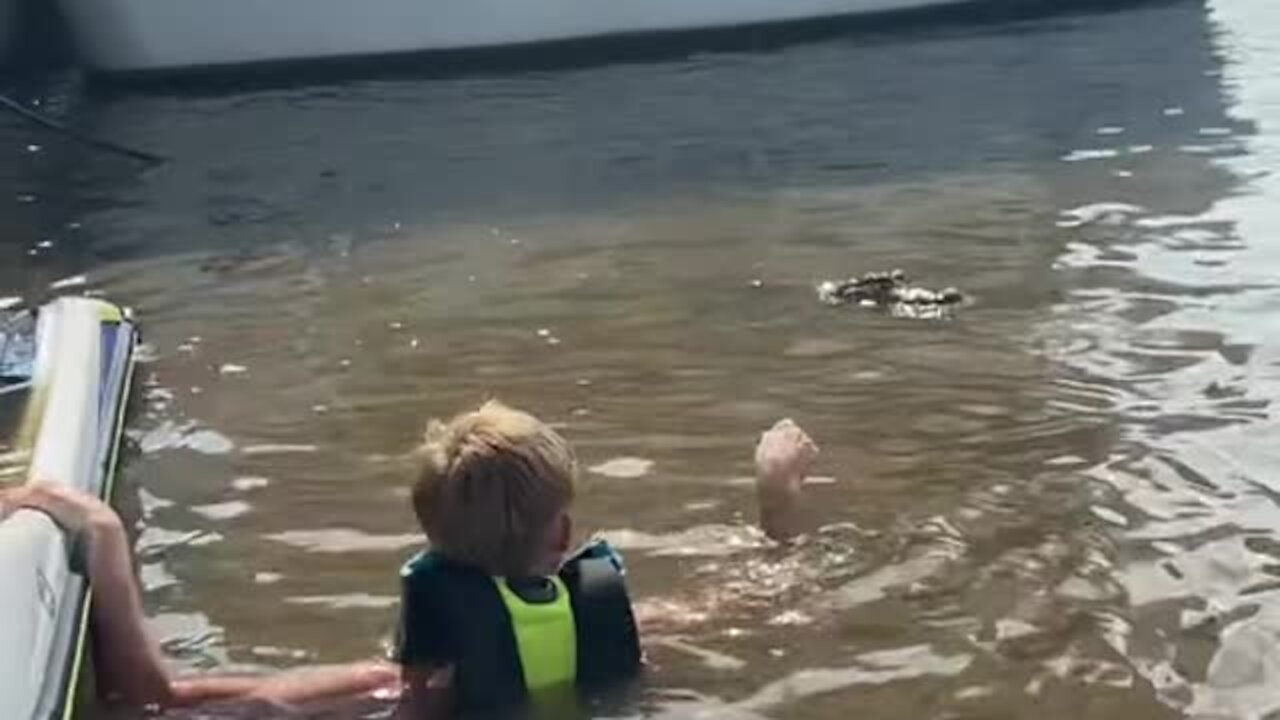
1057, 502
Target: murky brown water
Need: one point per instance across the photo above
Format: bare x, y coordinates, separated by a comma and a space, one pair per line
1057, 504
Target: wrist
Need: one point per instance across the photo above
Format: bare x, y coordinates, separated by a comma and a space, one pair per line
101, 529
102, 520
779, 479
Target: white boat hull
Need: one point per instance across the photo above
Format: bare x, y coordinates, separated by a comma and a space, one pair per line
127, 36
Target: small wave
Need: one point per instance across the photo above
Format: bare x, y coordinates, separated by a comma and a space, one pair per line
698, 541
347, 601
170, 435
278, 449
1104, 213
1090, 154
223, 510
623, 468
344, 540
249, 482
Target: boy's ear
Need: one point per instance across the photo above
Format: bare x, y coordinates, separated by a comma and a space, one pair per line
564, 535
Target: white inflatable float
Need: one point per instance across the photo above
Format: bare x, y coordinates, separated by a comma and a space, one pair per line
65, 372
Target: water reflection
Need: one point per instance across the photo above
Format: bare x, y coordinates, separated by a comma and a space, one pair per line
1171, 308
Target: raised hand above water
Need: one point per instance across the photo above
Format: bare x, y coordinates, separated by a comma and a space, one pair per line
784, 457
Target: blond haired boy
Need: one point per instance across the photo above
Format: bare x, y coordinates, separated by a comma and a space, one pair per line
498, 605
499, 601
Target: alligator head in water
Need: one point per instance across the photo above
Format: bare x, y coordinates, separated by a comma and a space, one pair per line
890, 291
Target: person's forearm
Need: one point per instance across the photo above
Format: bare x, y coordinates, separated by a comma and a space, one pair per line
780, 508
128, 663
312, 684
783, 458
193, 691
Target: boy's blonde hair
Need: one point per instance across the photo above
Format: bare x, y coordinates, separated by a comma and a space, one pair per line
491, 484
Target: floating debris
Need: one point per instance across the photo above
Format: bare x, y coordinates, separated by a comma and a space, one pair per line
890, 291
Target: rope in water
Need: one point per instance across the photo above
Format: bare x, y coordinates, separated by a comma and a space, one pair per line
48, 123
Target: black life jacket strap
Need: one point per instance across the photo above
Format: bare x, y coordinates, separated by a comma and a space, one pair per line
608, 641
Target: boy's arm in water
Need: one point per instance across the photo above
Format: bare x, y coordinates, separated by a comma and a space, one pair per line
130, 668
784, 457
424, 649
426, 693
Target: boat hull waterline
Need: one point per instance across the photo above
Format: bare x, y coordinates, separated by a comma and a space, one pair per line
136, 36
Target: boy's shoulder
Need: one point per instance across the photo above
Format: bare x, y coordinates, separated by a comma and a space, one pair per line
422, 562
428, 565
597, 549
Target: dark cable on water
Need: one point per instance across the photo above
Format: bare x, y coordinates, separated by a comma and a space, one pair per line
105, 145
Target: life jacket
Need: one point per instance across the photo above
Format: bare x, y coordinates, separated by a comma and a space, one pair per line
515, 640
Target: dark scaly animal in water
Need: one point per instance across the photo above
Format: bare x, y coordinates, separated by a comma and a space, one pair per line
889, 290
